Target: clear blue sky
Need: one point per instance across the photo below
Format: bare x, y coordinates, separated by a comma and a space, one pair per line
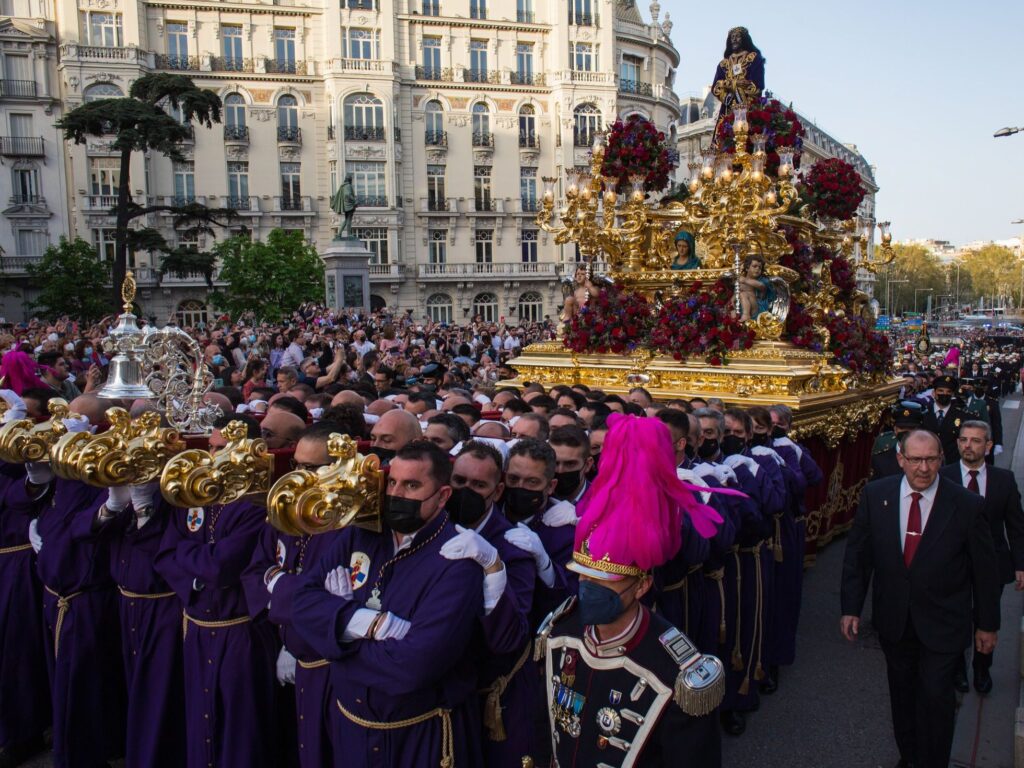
919, 87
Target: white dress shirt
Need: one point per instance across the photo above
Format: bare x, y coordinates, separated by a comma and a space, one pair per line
965, 472
925, 503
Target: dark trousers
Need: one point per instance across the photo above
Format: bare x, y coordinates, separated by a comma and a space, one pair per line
923, 700
982, 662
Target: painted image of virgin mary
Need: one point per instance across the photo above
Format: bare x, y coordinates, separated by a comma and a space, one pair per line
686, 252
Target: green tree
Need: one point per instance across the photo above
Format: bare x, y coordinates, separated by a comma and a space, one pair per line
72, 279
995, 272
270, 279
140, 123
921, 270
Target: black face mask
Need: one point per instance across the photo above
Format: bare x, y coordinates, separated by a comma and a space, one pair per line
522, 503
708, 449
466, 507
943, 400
384, 454
760, 439
689, 451
592, 473
778, 432
731, 445
402, 515
568, 484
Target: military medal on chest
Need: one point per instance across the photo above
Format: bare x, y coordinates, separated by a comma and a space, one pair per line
567, 706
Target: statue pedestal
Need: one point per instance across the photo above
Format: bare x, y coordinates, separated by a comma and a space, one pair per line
347, 273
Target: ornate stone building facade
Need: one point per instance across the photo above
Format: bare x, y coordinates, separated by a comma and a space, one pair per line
448, 115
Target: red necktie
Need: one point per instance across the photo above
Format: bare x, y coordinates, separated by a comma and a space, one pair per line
913, 529
972, 484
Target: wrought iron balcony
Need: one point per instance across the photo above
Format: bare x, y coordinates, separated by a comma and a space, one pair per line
231, 64
582, 138
441, 74
241, 203
364, 133
529, 140
481, 76
21, 146
236, 133
181, 63
527, 78
483, 139
437, 204
18, 89
529, 204
289, 133
436, 138
485, 205
285, 67
635, 86
372, 201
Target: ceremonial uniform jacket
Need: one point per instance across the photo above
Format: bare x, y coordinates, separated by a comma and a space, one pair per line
948, 430
641, 700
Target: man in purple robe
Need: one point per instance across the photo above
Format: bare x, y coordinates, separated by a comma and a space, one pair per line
270, 582
508, 681
24, 691
229, 657
395, 619
80, 611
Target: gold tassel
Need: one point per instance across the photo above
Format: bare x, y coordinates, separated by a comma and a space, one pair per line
759, 672
778, 539
745, 686
737, 660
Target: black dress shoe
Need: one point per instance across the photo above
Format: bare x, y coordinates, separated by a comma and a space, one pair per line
733, 723
960, 682
770, 684
982, 681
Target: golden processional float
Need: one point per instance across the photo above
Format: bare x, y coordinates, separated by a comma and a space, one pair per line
759, 308
170, 443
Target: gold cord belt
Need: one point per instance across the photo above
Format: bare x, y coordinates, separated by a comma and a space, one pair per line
63, 601
186, 619
492, 704
718, 576
139, 596
777, 542
12, 550
682, 582
312, 664
447, 738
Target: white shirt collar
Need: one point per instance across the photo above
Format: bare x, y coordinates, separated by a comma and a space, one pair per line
928, 494
483, 520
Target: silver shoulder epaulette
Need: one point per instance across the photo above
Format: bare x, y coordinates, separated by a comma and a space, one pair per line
700, 684
540, 647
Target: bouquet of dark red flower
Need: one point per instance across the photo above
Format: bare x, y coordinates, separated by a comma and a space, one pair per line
701, 324
800, 328
855, 346
833, 188
777, 122
636, 147
844, 275
801, 259
613, 321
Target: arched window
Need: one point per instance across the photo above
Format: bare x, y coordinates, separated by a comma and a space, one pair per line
531, 307
191, 313
364, 117
587, 123
434, 118
287, 112
377, 303
439, 307
486, 305
481, 125
527, 126
98, 91
234, 110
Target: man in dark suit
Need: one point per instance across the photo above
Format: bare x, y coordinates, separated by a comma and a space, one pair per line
927, 545
1003, 510
945, 416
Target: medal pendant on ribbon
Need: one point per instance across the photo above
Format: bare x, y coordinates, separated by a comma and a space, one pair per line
374, 601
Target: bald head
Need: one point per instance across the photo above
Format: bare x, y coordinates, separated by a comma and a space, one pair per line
395, 430
491, 429
380, 407
348, 397
281, 429
92, 407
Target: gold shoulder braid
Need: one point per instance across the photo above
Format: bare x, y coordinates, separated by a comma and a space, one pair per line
700, 685
540, 648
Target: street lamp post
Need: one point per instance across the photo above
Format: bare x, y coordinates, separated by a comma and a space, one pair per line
888, 296
1007, 132
917, 291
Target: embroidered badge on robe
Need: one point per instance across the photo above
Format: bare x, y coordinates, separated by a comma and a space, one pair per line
359, 569
194, 519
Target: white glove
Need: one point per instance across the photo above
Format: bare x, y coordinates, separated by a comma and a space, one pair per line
522, 536
392, 628
997, 450
563, 513
16, 408
470, 545
339, 583
78, 424
39, 472
285, 667
33, 536
118, 498
142, 495
494, 587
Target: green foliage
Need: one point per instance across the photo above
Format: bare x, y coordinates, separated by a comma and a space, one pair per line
921, 269
270, 279
994, 271
72, 280
183, 262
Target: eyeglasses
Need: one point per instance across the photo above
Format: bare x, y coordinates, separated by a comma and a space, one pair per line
918, 461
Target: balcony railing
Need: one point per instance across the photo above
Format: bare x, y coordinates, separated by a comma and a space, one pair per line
371, 201
182, 200
536, 269
529, 204
527, 78
635, 86
343, 66
362, 5
103, 53
584, 19
285, 67
18, 89
438, 204
436, 138
590, 76
364, 133
440, 74
483, 139
387, 271
28, 200
236, 133
525, 17
190, 132
21, 146
582, 138
293, 203
289, 133
485, 205
101, 202
481, 76
529, 141
17, 264
183, 63
231, 64
247, 203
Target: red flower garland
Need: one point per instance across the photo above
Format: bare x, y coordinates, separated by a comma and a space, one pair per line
636, 147
833, 188
778, 123
701, 324
613, 321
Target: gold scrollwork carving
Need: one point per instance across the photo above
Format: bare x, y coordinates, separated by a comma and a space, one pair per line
22, 441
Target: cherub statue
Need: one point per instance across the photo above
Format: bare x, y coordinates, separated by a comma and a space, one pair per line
756, 290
